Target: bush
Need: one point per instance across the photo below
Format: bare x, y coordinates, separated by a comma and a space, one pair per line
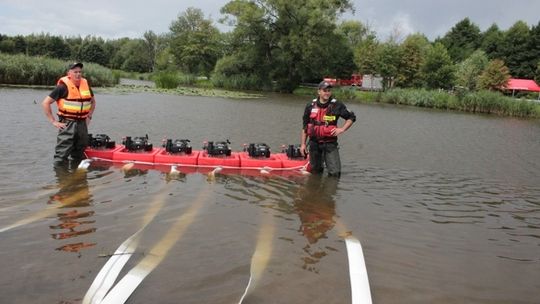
166, 80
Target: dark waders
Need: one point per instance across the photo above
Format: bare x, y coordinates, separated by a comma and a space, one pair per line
325, 153
71, 141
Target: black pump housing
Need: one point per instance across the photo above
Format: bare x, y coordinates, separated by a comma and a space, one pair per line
258, 150
137, 143
100, 141
178, 146
217, 148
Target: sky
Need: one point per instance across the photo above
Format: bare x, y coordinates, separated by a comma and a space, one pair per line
112, 19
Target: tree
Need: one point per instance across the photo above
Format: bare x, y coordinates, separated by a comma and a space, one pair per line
468, 70
438, 70
533, 50
293, 40
355, 32
151, 45
365, 55
492, 39
515, 52
537, 74
495, 77
195, 42
388, 58
413, 52
462, 40
56, 47
92, 50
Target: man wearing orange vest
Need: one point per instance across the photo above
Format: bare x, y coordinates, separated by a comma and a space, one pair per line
75, 102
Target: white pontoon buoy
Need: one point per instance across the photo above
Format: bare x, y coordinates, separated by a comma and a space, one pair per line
84, 164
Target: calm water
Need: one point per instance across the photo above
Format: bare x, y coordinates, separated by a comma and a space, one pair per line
446, 205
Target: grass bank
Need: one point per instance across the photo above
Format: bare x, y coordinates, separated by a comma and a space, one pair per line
475, 102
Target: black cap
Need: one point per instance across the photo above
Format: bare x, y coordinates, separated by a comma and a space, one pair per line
74, 65
324, 85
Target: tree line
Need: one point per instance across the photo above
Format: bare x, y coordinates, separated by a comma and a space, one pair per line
277, 45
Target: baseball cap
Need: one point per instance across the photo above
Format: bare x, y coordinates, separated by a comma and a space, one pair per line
324, 85
74, 65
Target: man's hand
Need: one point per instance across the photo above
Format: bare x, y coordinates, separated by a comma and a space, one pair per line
59, 125
337, 131
303, 150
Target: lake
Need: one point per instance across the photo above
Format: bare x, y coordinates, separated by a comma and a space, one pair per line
445, 204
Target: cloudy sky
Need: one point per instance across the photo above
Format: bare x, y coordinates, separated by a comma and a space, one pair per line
112, 19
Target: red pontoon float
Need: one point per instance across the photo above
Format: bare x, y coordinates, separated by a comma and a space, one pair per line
256, 157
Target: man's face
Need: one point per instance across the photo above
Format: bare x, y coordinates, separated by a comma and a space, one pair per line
325, 94
75, 73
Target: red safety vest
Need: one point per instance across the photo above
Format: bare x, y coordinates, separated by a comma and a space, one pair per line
322, 122
78, 103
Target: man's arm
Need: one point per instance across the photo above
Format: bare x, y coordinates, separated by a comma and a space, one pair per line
46, 105
303, 135
92, 108
303, 139
337, 131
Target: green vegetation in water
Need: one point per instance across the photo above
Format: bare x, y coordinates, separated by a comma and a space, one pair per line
476, 102
181, 90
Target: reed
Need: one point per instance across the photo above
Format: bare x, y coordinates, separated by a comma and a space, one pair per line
27, 70
171, 80
166, 80
239, 82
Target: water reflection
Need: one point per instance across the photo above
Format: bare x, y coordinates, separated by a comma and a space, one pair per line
316, 208
73, 193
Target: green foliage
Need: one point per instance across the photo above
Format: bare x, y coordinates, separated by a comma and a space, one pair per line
238, 82
239, 72
469, 70
355, 32
365, 55
419, 98
515, 50
492, 40
537, 74
195, 42
495, 76
413, 51
166, 80
26, 70
438, 70
533, 52
388, 58
477, 102
292, 41
171, 80
93, 51
462, 40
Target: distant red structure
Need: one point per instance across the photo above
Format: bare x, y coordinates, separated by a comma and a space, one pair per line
522, 85
355, 80
515, 84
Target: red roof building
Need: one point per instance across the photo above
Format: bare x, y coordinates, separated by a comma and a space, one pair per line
522, 85
515, 84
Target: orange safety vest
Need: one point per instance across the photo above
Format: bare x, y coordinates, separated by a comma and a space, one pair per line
78, 103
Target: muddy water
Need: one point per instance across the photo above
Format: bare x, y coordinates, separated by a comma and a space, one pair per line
446, 205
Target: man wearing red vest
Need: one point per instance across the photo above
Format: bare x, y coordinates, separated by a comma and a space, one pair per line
75, 102
320, 126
